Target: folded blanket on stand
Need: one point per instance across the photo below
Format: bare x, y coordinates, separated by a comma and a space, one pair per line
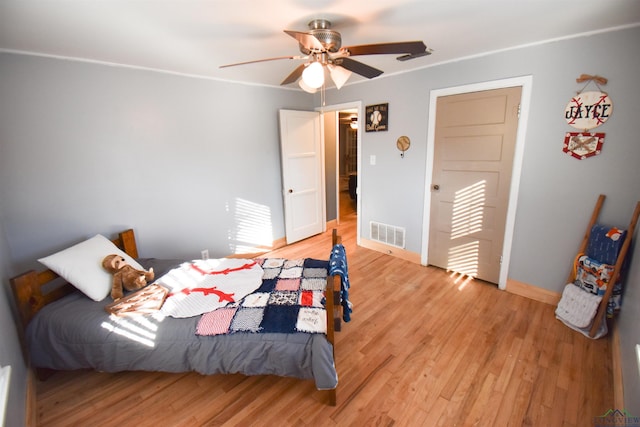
577, 306
594, 277
577, 309
605, 243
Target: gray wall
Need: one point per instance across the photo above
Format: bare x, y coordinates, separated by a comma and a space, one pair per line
10, 352
106, 147
192, 164
557, 192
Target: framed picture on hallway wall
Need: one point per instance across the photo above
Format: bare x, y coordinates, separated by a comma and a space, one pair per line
377, 118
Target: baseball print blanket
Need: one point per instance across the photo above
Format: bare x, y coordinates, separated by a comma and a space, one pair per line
202, 286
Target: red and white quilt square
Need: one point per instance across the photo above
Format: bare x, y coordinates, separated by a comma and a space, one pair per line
311, 299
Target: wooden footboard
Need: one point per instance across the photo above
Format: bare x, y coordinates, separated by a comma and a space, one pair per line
332, 294
30, 290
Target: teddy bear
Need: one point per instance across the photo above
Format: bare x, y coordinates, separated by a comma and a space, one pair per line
125, 276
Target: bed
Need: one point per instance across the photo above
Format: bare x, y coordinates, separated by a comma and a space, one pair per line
92, 338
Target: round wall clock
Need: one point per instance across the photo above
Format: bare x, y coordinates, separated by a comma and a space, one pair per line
588, 110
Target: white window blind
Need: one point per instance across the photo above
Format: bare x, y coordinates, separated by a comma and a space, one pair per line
5, 374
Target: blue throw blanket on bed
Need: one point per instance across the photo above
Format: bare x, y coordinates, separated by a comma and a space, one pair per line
338, 266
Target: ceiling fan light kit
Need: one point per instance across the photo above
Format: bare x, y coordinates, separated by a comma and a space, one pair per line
313, 75
322, 49
339, 75
306, 88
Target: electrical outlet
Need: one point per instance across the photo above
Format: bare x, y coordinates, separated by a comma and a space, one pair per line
205, 253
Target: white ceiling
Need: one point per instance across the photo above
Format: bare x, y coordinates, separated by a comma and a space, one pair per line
196, 37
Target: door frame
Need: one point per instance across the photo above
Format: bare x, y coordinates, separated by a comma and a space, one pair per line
335, 109
526, 83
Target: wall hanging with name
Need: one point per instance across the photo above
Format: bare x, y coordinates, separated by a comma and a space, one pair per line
377, 118
585, 111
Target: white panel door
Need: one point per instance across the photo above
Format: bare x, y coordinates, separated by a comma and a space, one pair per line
302, 174
473, 155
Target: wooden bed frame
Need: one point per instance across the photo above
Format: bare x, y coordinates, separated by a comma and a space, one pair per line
31, 296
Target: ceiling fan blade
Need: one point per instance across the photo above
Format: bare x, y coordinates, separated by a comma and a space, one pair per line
295, 75
409, 56
263, 60
339, 75
307, 40
387, 48
358, 67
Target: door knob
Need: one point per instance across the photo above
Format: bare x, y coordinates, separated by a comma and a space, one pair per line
436, 187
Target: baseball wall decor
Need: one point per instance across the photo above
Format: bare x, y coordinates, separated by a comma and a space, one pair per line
583, 144
585, 111
588, 110
377, 118
403, 143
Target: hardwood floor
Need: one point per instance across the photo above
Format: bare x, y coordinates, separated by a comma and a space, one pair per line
424, 347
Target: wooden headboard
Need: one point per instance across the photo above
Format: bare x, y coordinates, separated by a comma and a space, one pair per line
28, 287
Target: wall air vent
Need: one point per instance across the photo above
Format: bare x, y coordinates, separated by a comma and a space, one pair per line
387, 234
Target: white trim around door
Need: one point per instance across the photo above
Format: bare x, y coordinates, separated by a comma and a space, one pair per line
526, 82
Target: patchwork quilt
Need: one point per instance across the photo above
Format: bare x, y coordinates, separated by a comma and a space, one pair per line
289, 299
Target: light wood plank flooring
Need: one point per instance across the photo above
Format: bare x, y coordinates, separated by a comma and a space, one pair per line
424, 348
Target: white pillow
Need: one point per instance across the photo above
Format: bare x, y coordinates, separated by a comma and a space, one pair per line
81, 265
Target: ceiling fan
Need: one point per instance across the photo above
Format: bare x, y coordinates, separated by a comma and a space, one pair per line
321, 48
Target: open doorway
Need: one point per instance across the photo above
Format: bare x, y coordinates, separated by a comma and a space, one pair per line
347, 156
342, 137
